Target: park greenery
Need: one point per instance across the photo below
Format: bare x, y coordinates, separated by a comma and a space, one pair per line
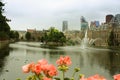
14, 35
53, 36
4, 27
112, 40
28, 36
5, 32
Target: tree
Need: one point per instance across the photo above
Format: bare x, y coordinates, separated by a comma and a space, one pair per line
3, 36
53, 35
14, 35
11, 34
4, 27
28, 35
111, 39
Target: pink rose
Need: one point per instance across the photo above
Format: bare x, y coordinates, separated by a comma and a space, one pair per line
116, 77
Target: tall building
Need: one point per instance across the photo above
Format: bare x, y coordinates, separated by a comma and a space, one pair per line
84, 24
94, 25
65, 26
109, 18
116, 21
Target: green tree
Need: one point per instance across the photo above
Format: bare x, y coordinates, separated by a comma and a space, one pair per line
4, 27
111, 39
3, 36
28, 35
16, 35
53, 35
11, 34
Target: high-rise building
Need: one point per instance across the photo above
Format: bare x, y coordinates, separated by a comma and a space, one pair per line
65, 26
84, 24
116, 21
94, 25
109, 18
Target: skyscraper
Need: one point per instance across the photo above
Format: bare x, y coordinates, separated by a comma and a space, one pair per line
65, 26
109, 18
116, 21
84, 24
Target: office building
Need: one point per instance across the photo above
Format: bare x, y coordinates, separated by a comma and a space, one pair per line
65, 26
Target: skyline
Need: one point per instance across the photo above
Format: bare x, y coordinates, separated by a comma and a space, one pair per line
43, 14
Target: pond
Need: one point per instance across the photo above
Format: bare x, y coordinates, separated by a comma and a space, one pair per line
105, 62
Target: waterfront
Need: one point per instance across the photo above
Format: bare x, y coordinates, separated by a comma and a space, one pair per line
105, 62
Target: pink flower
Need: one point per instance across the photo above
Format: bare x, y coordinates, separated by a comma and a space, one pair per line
26, 68
32, 67
67, 60
50, 70
46, 78
96, 77
116, 77
64, 61
37, 68
42, 62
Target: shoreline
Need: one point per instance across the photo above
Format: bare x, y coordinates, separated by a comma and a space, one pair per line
4, 43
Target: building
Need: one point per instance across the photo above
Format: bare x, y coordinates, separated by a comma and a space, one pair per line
31, 30
84, 24
94, 25
109, 18
65, 26
115, 22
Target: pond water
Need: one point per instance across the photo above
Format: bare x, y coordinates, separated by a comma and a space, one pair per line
91, 61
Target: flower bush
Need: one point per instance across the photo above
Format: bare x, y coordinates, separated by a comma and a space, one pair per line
44, 71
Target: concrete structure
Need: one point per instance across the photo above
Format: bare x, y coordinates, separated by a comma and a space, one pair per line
109, 18
115, 22
94, 25
65, 26
84, 24
35, 35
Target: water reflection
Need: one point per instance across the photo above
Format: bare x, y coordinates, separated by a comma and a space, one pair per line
3, 55
91, 61
114, 62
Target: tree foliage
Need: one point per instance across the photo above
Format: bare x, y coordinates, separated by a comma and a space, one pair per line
53, 35
28, 35
3, 36
112, 40
14, 35
4, 27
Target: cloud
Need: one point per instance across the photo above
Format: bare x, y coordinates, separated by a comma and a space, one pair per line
48, 13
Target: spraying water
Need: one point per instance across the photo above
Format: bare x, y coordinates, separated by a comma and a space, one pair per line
85, 41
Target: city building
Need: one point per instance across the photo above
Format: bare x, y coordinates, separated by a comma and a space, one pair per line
65, 26
94, 25
84, 24
109, 18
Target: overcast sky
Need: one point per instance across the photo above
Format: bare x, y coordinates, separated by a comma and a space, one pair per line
42, 14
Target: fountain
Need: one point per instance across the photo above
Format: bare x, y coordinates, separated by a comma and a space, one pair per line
85, 41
